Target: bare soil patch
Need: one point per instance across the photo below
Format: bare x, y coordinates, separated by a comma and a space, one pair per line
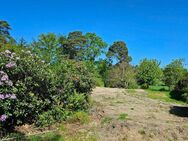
146, 120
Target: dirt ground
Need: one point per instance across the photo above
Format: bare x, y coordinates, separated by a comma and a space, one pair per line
129, 115
122, 115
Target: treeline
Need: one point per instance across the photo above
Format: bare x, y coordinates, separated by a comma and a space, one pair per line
55, 73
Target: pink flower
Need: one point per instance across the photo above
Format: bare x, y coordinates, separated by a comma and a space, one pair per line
2, 96
3, 117
4, 77
10, 65
6, 96
2, 72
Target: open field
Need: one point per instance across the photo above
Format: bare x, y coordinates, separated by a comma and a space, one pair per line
127, 115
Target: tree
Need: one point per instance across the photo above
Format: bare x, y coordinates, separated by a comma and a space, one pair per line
4, 33
122, 75
148, 72
46, 47
119, 52
94, 46
180, 91
72, 45
82, 47
103, 67
174, 72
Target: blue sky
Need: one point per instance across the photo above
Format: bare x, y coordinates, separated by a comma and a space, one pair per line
151, 28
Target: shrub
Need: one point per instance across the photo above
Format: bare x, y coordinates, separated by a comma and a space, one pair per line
149, 73
77, 102
73, 77
56, 114
26, 88
31, 89
81, 117
173, 72
180, 91
122, 76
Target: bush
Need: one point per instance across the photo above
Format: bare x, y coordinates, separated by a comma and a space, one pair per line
122, 76
180, 91
32, 90
73, 77
173, 72
56, 114
149, 73
77, 102
26, 88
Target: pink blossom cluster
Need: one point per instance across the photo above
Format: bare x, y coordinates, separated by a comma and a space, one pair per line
4, 79
11, 65
8, 53
3, 117
5, 96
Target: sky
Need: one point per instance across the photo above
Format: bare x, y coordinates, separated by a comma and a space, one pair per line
151, 28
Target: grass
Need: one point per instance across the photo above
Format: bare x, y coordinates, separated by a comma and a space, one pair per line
106, 120
159, 88
161, 93
81, 117
81, 136
78, 136
47, 137
123, 117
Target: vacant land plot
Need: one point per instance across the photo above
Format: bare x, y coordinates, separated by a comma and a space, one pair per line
120, 114
126, 115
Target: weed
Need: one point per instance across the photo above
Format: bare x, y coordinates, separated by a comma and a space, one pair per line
106, 120
81, 117
123, 116
142, 132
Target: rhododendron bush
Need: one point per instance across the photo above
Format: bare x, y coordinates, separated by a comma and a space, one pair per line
26, 88
30, 87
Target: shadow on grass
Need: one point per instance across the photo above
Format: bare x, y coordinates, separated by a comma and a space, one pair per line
181, 111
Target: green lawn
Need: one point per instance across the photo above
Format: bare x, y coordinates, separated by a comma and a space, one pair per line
161, 93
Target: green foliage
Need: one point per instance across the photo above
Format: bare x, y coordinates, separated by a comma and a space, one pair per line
73, 77
106, 120
30, 82
94, 47
4, 33
149, 73
162, 96
173, 72
180, 91
159, 88
99, 81
77, 102
119, 52
102, 71
123, 116
81, 47
122, 75
47, 137
46, 47
34, 89
81, 117
56, 114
